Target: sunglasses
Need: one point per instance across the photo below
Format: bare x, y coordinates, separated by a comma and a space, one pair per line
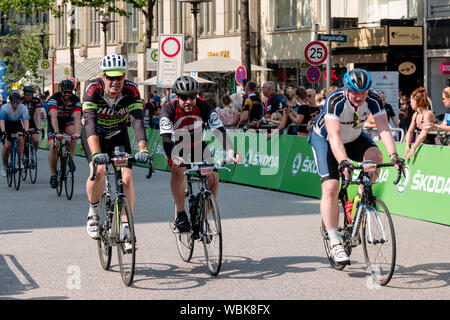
15, 101
67, 92
184, 97
28, 94
117, 78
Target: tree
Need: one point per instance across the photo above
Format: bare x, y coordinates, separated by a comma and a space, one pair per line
245, 36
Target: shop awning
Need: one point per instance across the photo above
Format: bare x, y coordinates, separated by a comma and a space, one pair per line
153, 81
344, 59
85, 70
218, 64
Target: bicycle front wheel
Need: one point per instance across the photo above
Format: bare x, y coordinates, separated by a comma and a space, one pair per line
25, 162
32, 163
104, 224
185, 240
17, 169
60, 173
212, 235
69, 177
379, 243
126, 246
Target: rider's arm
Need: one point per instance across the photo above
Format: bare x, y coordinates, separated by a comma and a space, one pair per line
137, 121
334, 137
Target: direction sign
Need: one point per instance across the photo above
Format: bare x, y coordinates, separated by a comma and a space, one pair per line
316, 53
240, 75
332, 37
313, 74
170, 59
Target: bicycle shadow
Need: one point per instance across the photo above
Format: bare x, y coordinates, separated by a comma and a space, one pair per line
195, 273
15, 279
422, 276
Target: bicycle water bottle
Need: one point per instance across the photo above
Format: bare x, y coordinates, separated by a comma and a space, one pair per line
356, 203
348, 210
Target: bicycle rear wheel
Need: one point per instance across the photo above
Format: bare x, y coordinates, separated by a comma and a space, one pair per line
32, 163
185, 240
327, 246
126, 247
212, 235
60, 172
17, 170
104, 224
25, 162
69, 177
9, 170
379, 243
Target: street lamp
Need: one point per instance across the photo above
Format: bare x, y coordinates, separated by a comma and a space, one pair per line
195, 10
105, 21
42, 36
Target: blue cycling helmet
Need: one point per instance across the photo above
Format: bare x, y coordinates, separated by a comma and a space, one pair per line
357, 80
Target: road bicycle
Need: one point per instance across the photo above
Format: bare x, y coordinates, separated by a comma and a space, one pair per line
371, 225
30, 162
204, 216
113, 213
14, 166
65, 167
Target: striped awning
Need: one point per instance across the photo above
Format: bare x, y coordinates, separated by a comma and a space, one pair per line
85, 70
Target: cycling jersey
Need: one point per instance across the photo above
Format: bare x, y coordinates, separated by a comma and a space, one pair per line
57, 103
337, 106
34, 104
8, 114
173, 118
105, 117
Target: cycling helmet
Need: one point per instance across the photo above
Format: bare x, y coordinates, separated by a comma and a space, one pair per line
185, 85
28, 89
113, 65
14, 97
357, 80
67, 85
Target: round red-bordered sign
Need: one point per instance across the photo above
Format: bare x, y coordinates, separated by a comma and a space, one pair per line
313, 74
163, 47
240, 75
316, 53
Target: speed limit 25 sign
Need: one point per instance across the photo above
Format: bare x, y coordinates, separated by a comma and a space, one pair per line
316, 53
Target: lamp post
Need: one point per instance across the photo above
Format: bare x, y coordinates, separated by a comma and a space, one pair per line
42, 36
105, 21
195, 11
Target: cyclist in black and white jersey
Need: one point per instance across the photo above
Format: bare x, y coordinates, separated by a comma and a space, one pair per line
337, 137
34, 110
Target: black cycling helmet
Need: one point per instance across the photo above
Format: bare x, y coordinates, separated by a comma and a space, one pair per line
357, 80
67, 85
185, 85
15, 97
28, 89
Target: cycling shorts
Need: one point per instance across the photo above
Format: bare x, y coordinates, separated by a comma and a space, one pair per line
63, 124
107, 145
12, 127
327, 164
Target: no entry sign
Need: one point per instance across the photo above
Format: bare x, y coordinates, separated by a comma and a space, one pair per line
313, 74
316, 53
170, 60
240, 75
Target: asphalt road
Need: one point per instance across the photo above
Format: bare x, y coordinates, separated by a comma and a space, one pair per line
272, 249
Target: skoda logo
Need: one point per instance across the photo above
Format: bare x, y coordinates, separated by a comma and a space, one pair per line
401, 186
297, 164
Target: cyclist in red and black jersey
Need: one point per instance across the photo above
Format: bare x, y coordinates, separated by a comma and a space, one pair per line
34, 110
184, 120
64, 110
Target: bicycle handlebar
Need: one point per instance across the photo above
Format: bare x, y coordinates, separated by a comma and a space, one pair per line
130, 159
364, 167
196, 166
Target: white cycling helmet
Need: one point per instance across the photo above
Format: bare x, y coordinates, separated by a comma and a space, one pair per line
113, 65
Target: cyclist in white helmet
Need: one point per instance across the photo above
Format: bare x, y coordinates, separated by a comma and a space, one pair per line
107, 103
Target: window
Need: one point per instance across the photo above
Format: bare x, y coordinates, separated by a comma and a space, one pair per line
61, 27
285, 12
112, 28
177, 22
207, 18
158, 13
94, 30
132, 29
75, 19
232, 18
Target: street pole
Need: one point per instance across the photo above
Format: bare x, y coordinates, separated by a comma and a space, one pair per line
328, 43
195, 10
425, 45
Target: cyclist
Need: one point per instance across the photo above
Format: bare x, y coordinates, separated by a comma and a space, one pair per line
64, 117
11, 116
107, 104
34, 110
186, 116
337, 137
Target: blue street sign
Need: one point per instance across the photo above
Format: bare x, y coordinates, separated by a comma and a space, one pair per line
332, 37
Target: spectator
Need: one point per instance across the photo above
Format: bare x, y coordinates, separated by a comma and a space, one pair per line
321, 97
405, 113
422, 120
311, 97
226, 112
389, 110
331, 89
156, 98
274, 103
252, 107
309, 114
445, 125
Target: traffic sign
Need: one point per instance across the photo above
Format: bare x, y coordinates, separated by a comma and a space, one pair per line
313, 74
332, 37
240, 75
316, 53
44, 66
170, 59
